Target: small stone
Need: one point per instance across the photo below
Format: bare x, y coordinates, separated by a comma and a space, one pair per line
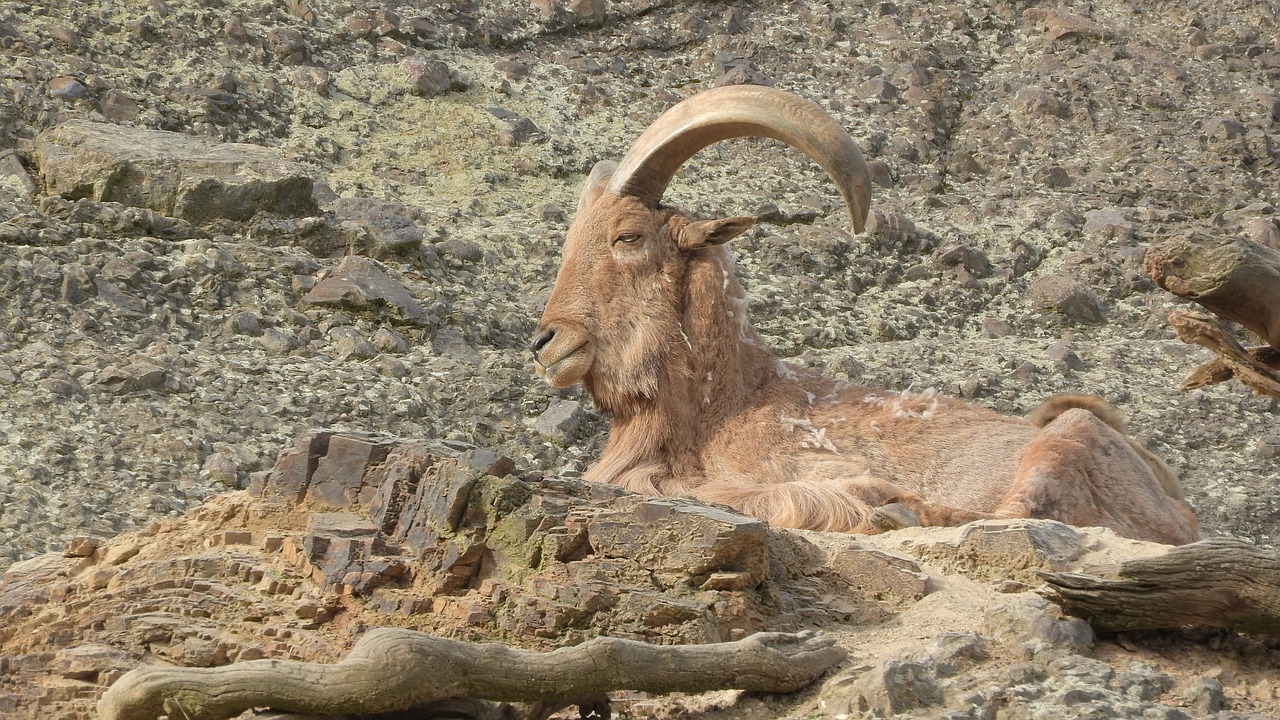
551, 212
117, 105
742, 72
878, 88
11, 166
512, 69
426, 77
891, 226
1267, 447
964, 165
881, 174
1064, 358
1143, 682
1224, 128
1205, 696
289, 45
878, 575
174, 174
995, 327
1035, 101
1067, 296
82, 546
392, 227
971, 258
244, 323
121, 271
1265, 231
136, 376
1059, 24
233, 29
307, 610
310, 77
67, 88
890, 688
391, 367
360, 283
60, 386
460, 249
560, 420
65, 35
390, 341
349, 344
547, 9
221, 469
301, 10
1107, 223
590, 12
277, 341
1052, 176
516, 130
1026, 372
1072, 634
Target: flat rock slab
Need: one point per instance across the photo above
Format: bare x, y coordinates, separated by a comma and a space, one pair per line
359, 283
178, 175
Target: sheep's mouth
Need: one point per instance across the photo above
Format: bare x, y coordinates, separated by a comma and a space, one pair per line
562, 369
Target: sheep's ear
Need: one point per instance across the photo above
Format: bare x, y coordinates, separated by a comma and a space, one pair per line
706, 233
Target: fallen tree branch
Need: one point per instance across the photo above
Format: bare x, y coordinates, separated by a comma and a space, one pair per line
392, 670
1234, 278
1258, 368
1219, 582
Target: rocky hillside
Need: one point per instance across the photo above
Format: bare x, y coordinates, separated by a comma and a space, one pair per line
354, 213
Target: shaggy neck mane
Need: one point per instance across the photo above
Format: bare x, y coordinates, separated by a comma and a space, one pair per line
714, 365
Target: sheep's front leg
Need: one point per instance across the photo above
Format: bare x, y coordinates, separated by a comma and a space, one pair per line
909, 510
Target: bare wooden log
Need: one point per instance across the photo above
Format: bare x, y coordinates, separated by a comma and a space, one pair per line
1235, 278
1258, 368
392, 670
1216, 371
1219, 582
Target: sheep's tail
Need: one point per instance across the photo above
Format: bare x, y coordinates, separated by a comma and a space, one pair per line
828, 504
1051, 408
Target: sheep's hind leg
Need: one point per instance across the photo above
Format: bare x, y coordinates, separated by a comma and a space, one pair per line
1081, 472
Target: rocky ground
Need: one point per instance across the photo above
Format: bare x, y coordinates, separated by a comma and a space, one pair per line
1024, 154
352, 531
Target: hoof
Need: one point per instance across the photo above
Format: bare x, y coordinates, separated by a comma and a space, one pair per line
894, 516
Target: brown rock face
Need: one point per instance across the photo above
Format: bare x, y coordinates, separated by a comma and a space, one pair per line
352, 530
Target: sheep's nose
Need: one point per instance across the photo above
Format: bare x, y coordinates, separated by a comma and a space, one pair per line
540, 341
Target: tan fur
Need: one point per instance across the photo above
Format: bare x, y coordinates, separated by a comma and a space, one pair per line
1050, 409
648, 313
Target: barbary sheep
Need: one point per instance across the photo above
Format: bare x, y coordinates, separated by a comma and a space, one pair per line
647, 312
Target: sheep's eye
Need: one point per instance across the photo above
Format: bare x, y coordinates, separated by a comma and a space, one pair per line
627, 239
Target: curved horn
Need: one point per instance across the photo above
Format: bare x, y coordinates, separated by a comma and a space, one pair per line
741, 111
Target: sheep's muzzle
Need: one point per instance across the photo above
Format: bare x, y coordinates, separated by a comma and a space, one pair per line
562, 354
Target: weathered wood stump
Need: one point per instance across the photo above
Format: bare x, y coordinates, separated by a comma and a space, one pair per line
391, 672
1219, 582
1238, 280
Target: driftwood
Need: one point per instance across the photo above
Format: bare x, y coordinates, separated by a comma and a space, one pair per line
1220, 582
1238, 280
395, 673
1258, 368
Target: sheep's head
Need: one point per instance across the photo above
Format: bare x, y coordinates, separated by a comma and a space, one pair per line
613, 314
